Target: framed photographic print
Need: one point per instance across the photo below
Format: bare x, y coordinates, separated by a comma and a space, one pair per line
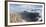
25, 13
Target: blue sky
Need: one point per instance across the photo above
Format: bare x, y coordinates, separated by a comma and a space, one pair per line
23, 7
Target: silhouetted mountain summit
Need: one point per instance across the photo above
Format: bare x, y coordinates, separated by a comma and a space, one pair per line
30, 16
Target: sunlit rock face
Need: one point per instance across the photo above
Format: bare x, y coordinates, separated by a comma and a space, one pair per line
15, 18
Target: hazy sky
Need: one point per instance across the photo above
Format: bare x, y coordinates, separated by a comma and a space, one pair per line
25, 7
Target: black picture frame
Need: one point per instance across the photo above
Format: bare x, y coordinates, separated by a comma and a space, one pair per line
6, 13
